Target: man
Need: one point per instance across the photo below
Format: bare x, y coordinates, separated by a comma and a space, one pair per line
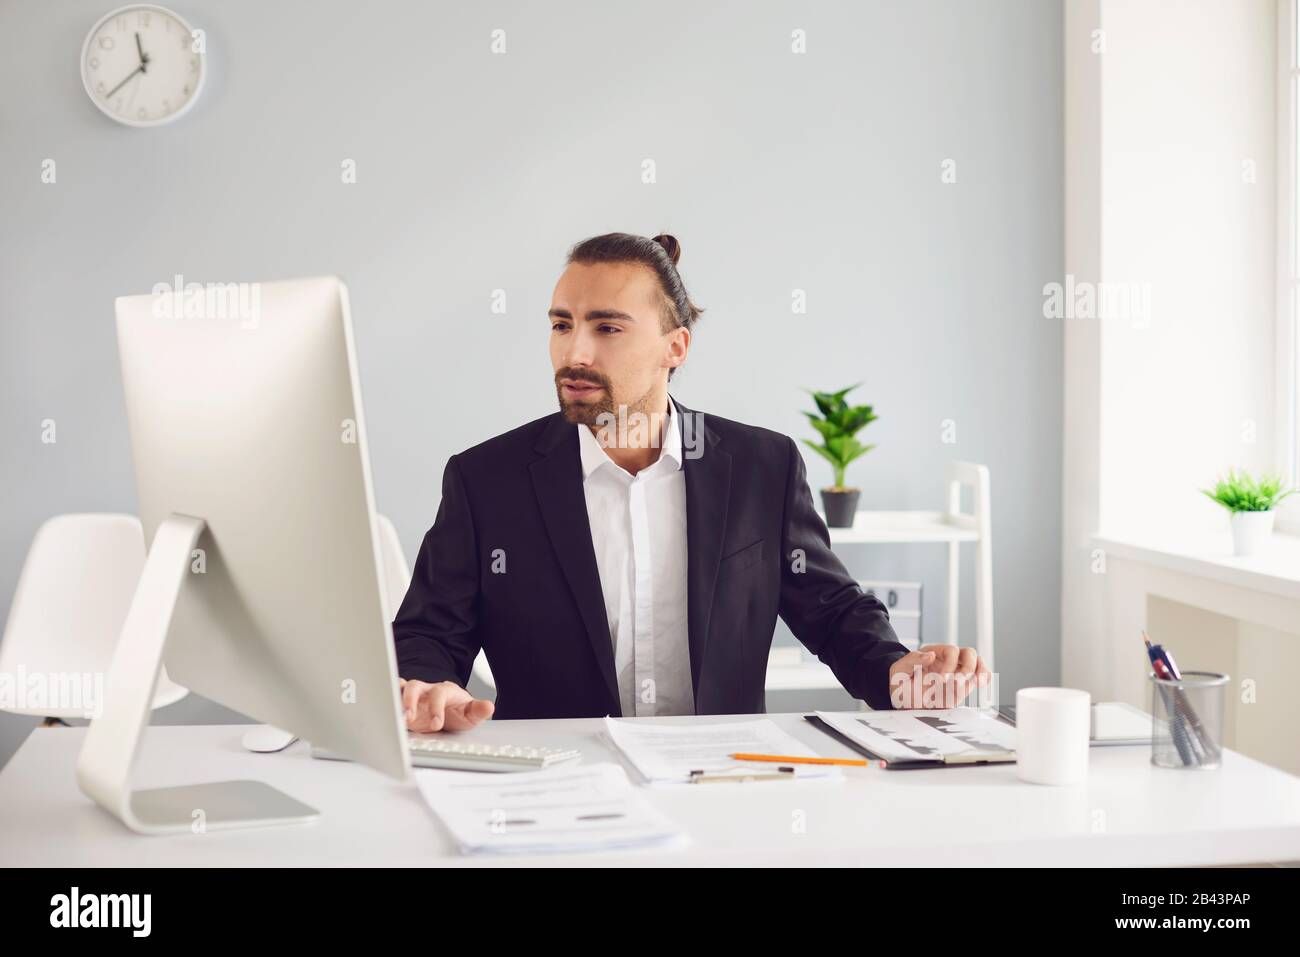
628, 555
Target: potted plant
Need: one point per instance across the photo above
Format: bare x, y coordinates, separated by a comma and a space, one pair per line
838, 423
1251, 503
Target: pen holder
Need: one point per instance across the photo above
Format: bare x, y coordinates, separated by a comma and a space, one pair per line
1187, 720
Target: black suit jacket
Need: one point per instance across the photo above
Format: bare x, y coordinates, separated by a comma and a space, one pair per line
509, 566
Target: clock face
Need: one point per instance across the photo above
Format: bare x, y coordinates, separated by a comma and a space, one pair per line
139, 65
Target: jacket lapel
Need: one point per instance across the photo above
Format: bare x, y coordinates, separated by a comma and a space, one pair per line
557, 481
708, 490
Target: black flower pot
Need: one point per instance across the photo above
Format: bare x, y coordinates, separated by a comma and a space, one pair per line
840, 507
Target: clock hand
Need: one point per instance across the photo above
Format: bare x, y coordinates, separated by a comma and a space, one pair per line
144, 57
139, 69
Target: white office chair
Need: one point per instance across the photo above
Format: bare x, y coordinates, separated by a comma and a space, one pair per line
67, 612
72, 598
398, 578
483, 672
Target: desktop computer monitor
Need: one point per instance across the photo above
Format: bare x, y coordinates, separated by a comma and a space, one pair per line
263, 585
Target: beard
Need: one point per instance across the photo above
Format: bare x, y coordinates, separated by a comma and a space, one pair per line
589, 409
585, 410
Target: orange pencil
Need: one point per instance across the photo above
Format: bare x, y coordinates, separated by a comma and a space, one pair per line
789, 759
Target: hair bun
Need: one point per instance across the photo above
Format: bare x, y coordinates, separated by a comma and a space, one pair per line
671, 246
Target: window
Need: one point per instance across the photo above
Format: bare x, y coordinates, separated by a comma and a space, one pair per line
1287, 456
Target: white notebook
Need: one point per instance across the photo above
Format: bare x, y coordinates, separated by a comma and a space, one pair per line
1114, 723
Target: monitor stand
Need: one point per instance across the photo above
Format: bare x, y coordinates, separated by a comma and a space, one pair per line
113, 739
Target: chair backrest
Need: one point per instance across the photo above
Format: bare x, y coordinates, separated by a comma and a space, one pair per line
76, 585
397, 578
73, 593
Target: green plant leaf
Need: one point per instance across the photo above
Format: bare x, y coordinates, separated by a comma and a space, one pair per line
1239, 491
861, 451
822, 452
831, 402
826, 429
839, 396
856, 418
825, 403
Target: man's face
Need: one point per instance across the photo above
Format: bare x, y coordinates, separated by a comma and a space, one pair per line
608, 347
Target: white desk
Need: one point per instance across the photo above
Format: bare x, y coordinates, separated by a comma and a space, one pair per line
1128, 813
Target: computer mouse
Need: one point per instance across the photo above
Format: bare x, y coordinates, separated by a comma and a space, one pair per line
265, 738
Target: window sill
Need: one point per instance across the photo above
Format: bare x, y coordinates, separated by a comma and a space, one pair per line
1276, 570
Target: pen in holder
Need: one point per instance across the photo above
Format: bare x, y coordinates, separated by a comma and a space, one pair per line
1187, 719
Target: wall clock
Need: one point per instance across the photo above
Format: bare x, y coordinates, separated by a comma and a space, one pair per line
139, 65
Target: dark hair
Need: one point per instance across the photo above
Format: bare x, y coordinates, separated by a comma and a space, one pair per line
661, 254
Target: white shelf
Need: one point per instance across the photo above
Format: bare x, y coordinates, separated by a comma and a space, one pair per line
903, 528
951, 527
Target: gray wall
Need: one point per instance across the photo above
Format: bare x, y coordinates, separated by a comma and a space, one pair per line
475, 172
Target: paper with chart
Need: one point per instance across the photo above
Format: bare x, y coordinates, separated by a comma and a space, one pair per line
666, 754
924, 735
590, 807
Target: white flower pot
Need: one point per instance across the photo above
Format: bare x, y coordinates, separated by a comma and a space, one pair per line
1250, 530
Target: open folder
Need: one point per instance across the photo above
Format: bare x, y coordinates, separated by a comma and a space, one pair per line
953, 737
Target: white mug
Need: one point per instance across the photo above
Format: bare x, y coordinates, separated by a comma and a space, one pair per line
1053, 727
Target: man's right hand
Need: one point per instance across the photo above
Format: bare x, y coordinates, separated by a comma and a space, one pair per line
444, 706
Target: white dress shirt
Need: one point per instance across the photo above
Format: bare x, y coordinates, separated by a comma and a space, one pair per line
638, 530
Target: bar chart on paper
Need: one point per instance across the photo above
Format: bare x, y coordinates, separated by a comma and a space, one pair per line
925, 735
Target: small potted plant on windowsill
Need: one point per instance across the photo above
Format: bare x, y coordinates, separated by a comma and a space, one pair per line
1251, 502
838, 423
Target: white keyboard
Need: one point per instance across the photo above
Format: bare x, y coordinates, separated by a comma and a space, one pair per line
444, 751
431, 751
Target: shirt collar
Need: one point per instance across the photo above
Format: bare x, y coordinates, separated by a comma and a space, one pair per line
594, 455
